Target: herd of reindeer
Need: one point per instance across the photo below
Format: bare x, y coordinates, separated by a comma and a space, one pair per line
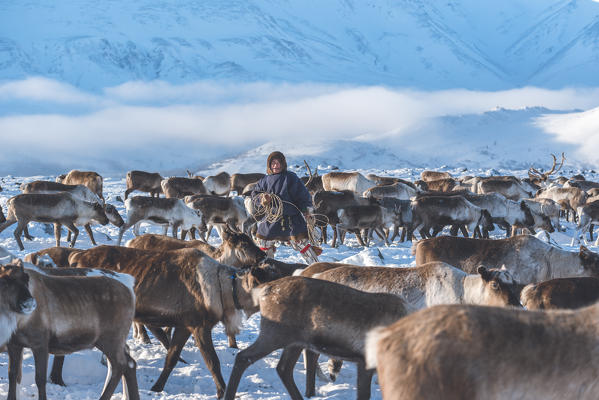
492, 333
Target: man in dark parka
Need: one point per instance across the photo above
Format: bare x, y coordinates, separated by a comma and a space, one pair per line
291, 227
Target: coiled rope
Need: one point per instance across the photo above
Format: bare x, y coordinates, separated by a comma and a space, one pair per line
271, 211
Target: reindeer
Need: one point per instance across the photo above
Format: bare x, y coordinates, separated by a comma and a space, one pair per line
588, 215
240, 181
313, 182
60, 208
184, 289
91, 179
374, 217
101, 318
568, 198
427, 176
219, 185
322, 316
423, 286
438, 211
540, 178
223, 212
167, 212
80, 191
558, 293
508, 186
398, 190
237, 250
52, 257
178, 187
472, 352
339, 181
440, 185
144, 182
327, 203
527, 258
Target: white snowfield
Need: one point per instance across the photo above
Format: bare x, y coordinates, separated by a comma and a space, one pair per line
84, 374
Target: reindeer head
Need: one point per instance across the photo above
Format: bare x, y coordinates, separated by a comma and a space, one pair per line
14, 289
499, 287
538, 178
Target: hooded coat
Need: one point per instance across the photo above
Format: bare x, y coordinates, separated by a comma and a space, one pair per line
296, 200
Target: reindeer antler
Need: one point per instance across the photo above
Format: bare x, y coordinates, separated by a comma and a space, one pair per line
310, 172
535, 174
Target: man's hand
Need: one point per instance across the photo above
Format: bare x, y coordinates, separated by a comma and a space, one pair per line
265, 199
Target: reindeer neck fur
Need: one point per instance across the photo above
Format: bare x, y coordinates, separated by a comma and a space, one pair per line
8, 325
214, 284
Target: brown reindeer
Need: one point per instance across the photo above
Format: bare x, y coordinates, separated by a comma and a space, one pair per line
561, 293
179, 187
540, 177
423, 286
427, 176
51, 257
473, 352
322, 316
184, 289
15, 300
313, 182
144, 182
101, 317
237, 249
92, 180
240, 181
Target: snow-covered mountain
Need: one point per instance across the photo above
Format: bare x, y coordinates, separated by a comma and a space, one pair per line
411, 43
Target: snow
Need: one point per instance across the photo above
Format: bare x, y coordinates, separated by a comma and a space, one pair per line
84, 374
423, 43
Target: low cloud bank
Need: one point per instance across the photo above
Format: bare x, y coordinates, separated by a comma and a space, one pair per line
48, 126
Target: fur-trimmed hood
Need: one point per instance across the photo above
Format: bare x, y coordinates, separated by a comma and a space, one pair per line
278, 155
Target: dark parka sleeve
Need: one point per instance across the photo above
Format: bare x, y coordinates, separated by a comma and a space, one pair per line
298, 192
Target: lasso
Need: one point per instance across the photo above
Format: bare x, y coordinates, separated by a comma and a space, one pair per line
271, 211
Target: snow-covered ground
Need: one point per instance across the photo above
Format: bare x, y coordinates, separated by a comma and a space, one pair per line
84, 374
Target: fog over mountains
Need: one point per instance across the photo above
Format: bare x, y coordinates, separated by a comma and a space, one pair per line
425, 44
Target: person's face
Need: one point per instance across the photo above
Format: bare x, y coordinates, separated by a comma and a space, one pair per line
275, 166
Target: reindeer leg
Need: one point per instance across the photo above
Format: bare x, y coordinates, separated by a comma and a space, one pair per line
311, 363
56, 372
117, 365
130, 387
40, 355
260, 348
17, 233
203, 338
140, 333
58, 233
364, 381
26, 233
71, 226
163, 337
463, 230
88, 229
15, 361
285, 370
176, 229
179, 338
591, 231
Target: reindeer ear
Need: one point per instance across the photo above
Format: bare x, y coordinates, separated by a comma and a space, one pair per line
483, 272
